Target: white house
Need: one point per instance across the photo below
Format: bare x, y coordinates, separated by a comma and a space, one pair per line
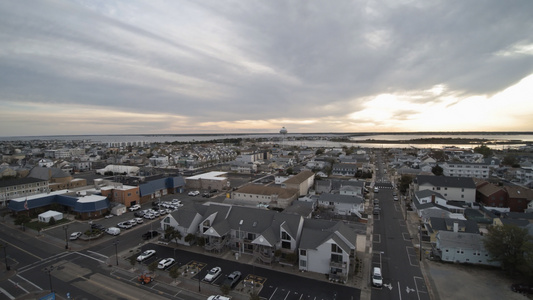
341, 204
328, 248
462, 247
452, 188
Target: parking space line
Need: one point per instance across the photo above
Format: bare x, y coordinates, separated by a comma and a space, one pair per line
273, 294
408, 238
410, 256
377, 238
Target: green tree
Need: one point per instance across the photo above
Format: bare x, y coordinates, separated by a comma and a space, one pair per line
22, 219
437, 170
52, 221
174, 273
510, 160
172, 234
405, 181
483, 149
319, 151
189, 238
132, 260
512, 246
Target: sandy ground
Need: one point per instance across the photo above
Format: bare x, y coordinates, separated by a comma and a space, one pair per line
454, 281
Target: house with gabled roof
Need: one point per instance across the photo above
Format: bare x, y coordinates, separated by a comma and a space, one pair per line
327, 247
341, 204
254, 194
452, 188
302, 182
437, 224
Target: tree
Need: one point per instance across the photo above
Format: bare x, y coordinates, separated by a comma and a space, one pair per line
132, 260
405, 181
483, 149
510, 160
254, 296
437, 170
172, 234
512, 246
174, 273
52, 221
319, 151
189, 238
22, 219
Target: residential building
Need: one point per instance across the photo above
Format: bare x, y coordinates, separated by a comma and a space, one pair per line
341, 204
22, 187
452, 188
462, 247
302, 182
474, 170
254, 194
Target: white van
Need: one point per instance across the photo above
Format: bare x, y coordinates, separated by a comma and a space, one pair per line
377, 279
113, 230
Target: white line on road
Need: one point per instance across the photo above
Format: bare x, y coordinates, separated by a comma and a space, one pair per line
273, 294
5, 242
40, 289
43, 261
18, 286
88, 256
97, 253
7, 294
399, 291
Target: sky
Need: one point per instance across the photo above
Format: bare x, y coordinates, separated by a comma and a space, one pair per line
210, 66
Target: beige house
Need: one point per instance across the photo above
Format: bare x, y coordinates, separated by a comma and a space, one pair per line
301, 182
254, 194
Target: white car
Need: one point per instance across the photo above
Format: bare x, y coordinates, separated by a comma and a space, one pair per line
113, 231
194, 193
165, 263
124, 225
176, 202
213, 274
145, 255
377, 279
149, 216
132, 222
139, 220
75, 235
218, 297
135, 207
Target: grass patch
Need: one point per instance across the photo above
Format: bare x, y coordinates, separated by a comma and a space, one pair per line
36, 225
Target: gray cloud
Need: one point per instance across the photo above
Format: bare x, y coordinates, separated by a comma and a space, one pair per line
225, 62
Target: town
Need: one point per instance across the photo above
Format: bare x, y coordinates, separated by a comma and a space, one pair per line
239, 218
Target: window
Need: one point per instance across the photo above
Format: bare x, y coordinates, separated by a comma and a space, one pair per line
166, 220
336, 258
285, 236
335, 248
285, 245
303, 263
303, 252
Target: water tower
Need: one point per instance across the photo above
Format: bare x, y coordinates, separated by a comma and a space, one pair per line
283, 133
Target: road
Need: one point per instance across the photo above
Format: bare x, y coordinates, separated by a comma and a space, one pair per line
393, 248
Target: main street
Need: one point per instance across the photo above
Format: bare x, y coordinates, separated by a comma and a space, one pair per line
393, 249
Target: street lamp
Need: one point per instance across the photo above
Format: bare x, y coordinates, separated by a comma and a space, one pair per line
5, 257
65, 227
116, 249
49, 270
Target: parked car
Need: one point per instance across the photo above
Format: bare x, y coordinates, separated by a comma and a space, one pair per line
145, 255
124, 225
97, 226
206, 195
376, 210
213, 274
149, 216
135, 207
232, 279
376, 190
395, 198
176, 202
150, 234
377, 279
139, 220
139, 214
108, 216
113, 231
132, 222
75, 235
194, 193
165, 263
523, 288
218, 297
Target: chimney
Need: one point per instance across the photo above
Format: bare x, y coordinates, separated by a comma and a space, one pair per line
455, 227
433, 198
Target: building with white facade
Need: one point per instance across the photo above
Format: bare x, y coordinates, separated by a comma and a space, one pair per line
474, 170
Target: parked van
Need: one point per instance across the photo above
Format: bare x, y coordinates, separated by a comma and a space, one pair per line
113, 230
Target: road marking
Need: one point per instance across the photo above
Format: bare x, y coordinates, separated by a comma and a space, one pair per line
88, 256
399, 291
273, 294
22, 250
43, 261
29, 282
18, 286
97, 253
6, 293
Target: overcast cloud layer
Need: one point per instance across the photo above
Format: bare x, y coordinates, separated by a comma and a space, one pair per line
112, 67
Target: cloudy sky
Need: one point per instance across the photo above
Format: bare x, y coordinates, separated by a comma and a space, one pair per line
157, 67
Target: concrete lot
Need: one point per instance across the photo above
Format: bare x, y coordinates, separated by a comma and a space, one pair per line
455, 281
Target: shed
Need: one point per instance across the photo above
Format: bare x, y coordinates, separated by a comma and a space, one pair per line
45, 216
119, 209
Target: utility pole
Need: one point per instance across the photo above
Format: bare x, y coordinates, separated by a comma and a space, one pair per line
65, 227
